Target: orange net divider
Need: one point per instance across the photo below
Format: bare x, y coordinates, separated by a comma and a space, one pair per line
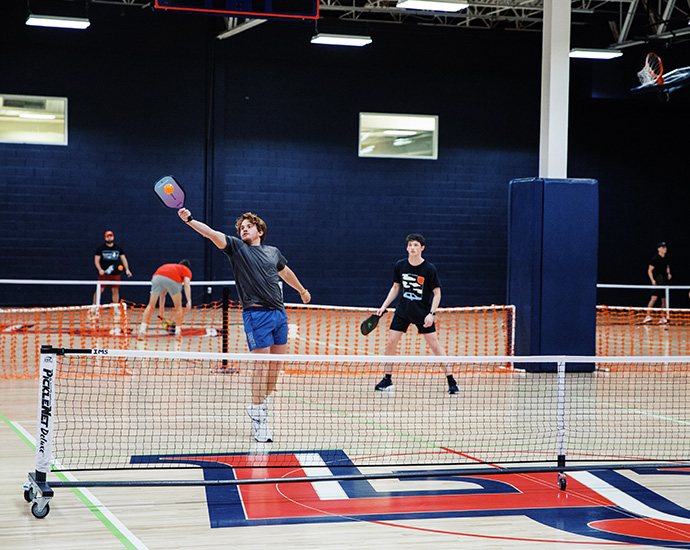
24, 330
313, 330
627, 331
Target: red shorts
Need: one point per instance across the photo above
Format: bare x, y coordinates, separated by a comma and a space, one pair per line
109, 278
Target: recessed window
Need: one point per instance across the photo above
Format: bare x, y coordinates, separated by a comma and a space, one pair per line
398, 136
33, 119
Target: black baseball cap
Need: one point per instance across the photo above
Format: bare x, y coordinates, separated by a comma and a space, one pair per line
662, 243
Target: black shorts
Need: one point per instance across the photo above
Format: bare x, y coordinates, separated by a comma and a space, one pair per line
400, 324
660, 292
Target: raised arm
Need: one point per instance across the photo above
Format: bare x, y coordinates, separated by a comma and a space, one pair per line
216, 237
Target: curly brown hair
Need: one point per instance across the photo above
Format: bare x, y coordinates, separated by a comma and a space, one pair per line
253, 218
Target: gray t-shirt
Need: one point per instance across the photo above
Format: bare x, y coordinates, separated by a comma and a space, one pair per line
256, 273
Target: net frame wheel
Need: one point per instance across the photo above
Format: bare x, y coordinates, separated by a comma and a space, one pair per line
562, 481
29, 492
39, 513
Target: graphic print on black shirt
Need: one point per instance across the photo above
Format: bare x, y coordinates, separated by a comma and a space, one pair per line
417, 283
413, 286
111, 258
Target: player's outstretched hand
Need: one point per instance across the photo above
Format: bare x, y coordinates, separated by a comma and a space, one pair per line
184, 214
306, 297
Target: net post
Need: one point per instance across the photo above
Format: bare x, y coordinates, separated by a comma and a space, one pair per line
39, 491
560, 422
226, 323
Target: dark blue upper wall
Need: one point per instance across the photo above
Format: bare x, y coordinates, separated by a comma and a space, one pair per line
136, 100
291, 112
266, 122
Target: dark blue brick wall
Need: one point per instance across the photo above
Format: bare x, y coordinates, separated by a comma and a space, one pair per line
266, 122
290, 155
136, 101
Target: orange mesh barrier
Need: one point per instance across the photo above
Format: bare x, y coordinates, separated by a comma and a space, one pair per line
331, 330
626, 331
322, 330
24, 330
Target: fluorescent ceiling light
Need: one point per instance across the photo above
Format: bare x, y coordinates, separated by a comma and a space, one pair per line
431, 5
58, 22
587, 53
340, 39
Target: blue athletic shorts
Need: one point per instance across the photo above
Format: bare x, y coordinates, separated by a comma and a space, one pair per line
265, 327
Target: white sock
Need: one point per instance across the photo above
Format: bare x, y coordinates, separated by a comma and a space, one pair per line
178, 331
143, 327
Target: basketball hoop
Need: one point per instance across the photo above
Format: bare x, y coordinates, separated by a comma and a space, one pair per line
652, 71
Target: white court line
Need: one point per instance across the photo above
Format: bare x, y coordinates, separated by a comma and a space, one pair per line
623, 500
314, 466
118, 528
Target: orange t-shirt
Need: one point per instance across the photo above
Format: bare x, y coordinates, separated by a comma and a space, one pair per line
176, 272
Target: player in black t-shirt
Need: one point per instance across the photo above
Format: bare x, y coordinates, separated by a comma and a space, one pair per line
110, 261
659, 273
421, 295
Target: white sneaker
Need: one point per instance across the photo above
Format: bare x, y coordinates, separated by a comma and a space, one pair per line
663, 321
261, 432
259, 416
647, 319
258, 413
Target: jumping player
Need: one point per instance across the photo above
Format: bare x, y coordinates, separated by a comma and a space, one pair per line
258, 269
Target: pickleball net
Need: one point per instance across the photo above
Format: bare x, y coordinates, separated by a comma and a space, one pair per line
127, 409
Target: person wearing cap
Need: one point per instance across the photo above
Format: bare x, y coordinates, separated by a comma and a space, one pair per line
110, 261
659, 273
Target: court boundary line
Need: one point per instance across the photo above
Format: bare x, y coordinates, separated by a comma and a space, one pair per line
109, 520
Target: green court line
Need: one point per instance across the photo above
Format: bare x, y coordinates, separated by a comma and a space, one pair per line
84, 498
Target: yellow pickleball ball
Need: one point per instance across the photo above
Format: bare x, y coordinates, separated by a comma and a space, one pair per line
169, 188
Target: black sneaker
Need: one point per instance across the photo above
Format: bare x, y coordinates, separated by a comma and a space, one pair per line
453, 388
386, 384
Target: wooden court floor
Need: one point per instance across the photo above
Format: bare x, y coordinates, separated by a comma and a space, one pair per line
640, 509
